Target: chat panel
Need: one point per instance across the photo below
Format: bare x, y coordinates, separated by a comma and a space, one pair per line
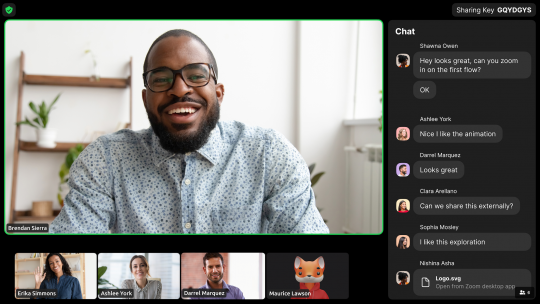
462, 173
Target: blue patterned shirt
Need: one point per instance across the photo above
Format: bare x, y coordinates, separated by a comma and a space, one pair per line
243, 180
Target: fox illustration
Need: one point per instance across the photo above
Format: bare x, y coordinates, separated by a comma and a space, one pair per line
310, 274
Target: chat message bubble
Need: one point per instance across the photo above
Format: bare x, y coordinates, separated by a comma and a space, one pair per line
457, 133
475, 65
466, 205
469, 282
472, 241
447, 169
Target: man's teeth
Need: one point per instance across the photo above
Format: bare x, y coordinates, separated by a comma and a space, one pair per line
182, 110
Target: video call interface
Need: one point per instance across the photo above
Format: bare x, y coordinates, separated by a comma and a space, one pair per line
389, 154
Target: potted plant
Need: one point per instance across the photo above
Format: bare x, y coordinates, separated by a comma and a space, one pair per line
314, 180
104, 283
45, 135
72, 155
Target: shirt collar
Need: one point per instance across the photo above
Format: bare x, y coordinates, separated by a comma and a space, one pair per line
225, 286
145, 288
211, 150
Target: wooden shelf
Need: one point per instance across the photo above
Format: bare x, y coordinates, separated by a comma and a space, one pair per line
76, 81
26, 260
31, 146
27, 216
31, 273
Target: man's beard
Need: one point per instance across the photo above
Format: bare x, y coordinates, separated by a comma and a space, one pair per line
218, 279
183, 143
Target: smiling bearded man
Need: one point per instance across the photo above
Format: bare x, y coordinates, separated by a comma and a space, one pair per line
189, 172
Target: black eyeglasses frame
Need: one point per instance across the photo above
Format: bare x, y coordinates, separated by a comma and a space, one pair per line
175, 72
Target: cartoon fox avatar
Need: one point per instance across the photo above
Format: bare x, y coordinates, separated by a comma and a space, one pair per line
310, 274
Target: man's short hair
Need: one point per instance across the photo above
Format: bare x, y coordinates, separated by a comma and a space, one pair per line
402, 58
400, 167
210, 255
180, 33
402, 275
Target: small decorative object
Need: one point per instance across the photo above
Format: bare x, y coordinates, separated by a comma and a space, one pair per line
45, 135
42, 209
314, 180
63, 189
96, 70
77, 265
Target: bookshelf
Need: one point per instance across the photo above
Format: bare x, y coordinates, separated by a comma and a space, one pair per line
27, 146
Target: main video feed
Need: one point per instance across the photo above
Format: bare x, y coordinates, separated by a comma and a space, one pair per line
193, 127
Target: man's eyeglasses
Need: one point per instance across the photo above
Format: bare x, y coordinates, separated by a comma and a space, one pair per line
194, 75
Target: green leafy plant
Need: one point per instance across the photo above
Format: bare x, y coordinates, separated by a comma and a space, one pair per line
103, 283
95, 62
43, 114
380, 118
72, 155
314, 179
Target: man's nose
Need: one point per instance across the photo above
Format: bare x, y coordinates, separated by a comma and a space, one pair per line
180, 88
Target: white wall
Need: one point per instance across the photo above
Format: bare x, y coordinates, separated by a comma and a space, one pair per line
244, 273
294, 76
91, 275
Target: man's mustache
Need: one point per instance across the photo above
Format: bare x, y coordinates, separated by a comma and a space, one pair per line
177, 99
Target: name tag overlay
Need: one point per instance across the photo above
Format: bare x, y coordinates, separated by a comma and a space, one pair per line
36, 293
288, 293
27, 228
204, 293
115, 293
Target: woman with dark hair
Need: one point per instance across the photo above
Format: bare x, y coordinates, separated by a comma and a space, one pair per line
402, 59
403, 276
402, 135
142, 287
57, 275
403, 207
402, 243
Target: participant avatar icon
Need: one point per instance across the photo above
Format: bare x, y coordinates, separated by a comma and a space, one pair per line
403, 169
403, 133
403, 241
403, 61
403, 205
310, 274
403, 278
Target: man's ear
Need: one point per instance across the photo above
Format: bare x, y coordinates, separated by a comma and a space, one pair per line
204, 269
144, 98
220, 91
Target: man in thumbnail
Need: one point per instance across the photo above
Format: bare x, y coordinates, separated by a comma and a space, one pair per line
402, 59
403, 171
213, 269
403, 276
188, 172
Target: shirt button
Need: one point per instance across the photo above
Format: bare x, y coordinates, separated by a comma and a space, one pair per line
188, 225
188, 154
187, 182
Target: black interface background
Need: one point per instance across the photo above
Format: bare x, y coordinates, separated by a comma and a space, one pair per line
371, 274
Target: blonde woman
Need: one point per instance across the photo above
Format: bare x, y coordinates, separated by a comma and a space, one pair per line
142, 287
402, 135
